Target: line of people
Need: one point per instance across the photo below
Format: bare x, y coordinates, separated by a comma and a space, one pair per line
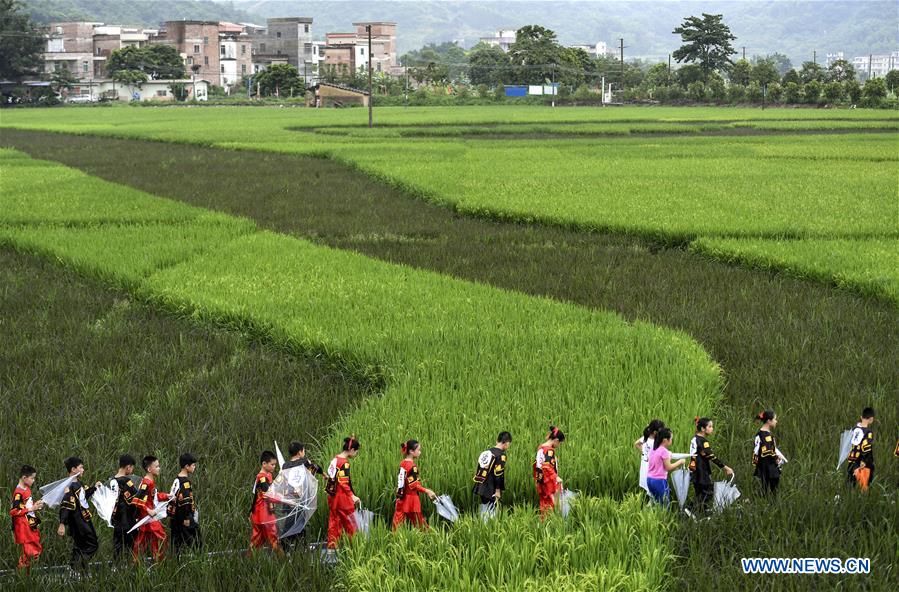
136, 517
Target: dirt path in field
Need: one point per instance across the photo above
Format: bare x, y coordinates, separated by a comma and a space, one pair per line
814, 353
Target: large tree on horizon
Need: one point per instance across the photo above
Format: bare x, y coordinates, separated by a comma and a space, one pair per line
21, 44
707, 42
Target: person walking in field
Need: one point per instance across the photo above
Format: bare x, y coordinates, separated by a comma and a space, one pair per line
659, 466
183, 508
490, 474
644, 446
124, 512
262, 518
341, 498
75, 516
150, 534
546, 471
766, 456
25, 521
409, 487
701, 459
861, 455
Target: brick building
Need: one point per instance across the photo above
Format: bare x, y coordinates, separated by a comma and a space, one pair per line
84, 48
198, 44
285, 41
345, 53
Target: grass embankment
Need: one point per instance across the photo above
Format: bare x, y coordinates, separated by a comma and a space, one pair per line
468, 359
815, 354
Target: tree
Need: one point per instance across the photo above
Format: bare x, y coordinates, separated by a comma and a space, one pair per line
696, 91
736, 93
833, 92
853, 91
874, 92
754, 92
780, 62
775, 92
707, 41
62, 81
716, 89
740, 72
130, 78
811, 92
790, 76
764, 72
840, 71
488, 65
158, 61
279, 80
536, 55
21, 44
892, 80
791, 93
687, 74
811, 71
447, 57
657, 76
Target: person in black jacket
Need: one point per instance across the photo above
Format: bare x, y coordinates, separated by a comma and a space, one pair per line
124, 514
75, 515
490, 474
861, 455
183, 507
701, 459
766, 456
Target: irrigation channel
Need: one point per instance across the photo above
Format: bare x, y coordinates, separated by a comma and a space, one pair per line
815, 353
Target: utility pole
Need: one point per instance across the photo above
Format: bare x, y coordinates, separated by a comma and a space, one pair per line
669, 69
870, 59
553, 85
815, 56
368, 29
744, 53
621, 44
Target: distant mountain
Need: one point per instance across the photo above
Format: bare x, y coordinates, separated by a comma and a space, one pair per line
149, 13
796, 28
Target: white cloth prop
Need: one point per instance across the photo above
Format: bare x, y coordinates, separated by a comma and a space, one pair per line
159, 512
845, 447
52, 493
566, 497
680, 455
488, 510
680, 479
279, 455
644, 461
363, 520
726, 493
104, 500
446, 508
296, 489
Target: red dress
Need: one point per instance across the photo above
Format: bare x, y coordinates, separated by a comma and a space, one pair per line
408, 500
341, 519
151, 533
261, 515
25, 527
545, 476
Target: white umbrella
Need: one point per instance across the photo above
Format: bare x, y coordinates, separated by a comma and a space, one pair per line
279, 455
52, 493
845, 446
446, 508
296, 489
363, 519
104, 500
726, 493
565, 499
488, 510
158, 513
680, 479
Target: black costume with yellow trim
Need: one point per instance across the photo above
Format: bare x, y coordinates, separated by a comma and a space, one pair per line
124, 515
765, 459
701, 459
490, 474
183, 515
75, 514
861, 453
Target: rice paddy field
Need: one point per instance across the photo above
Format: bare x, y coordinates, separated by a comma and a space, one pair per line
448, 274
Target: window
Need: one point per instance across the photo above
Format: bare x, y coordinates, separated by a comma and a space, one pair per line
84, 67
262, 48
222, 50
222, 69
196, 49
278, 34
243, 50
305, 28
361, 51
205, 40
190, 60
205, 60
160, 93
307, 48
99, 51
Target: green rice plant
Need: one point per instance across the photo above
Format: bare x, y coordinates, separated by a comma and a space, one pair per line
867, 265
603, 545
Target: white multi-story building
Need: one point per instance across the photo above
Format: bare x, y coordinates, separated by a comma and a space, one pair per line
595, 50
833, 57
503, 39
876, 65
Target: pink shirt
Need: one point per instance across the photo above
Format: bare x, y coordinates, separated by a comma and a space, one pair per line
657, 463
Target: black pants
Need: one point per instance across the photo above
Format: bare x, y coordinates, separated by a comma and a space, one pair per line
769, 483
186, 538
122, 540
705, 493
84, 545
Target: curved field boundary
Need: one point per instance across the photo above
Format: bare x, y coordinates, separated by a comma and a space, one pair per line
460, 361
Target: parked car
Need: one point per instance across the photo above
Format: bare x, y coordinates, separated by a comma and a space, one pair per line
78, 99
